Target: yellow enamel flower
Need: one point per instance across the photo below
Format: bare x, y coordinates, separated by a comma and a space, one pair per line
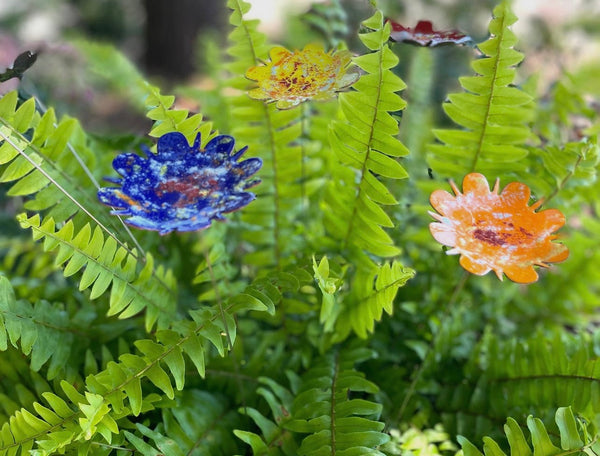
497, 231
291, 78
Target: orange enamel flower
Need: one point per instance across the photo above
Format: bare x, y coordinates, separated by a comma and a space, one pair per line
291, 78
498, 232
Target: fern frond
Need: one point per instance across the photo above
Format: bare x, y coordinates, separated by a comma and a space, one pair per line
199, 423
321, 405
540, 372
105, 264
274, 439
366, 144
569, 169
574, 438
372, 290
44, 331
324, 408
493, 113
116, 391
273, 135
216, 275
567, 162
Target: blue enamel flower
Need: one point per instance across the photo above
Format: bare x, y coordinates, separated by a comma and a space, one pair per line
181, 188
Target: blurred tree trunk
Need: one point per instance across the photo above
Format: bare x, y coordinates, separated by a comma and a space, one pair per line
172, 28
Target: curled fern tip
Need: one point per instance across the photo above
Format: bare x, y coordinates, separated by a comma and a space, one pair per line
181, 187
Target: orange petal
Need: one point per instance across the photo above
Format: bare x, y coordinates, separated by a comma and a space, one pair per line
516, 194
553, 219
473, 266
441, 201
521, 274
475, 183
443, 233
560, 252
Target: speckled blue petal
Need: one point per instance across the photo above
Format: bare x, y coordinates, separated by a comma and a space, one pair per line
181, 187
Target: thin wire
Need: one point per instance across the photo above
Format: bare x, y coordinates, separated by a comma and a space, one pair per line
64, 191
79, 205
89, 174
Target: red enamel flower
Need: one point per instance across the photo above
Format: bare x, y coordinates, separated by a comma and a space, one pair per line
424, 35
497, 231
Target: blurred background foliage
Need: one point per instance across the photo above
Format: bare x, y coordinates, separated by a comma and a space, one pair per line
173, 41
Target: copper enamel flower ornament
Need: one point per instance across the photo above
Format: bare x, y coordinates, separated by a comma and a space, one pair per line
291, 78
181, 187
497, 231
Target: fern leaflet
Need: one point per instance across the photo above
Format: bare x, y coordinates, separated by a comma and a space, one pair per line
365, 142
273, 135
492, 112
572, 439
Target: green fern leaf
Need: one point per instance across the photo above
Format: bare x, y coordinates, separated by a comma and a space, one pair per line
274, 439
322, 408
571, 440
273, 135
373, 289
104, 264
492, 112
365, 142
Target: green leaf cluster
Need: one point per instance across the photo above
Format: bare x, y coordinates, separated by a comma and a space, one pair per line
247, 337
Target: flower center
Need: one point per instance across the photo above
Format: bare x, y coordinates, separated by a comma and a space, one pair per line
498, 237
189, 189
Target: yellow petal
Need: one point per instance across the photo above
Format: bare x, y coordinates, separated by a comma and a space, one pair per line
258, 94
314, 47
258, 73
287, 104
277, 53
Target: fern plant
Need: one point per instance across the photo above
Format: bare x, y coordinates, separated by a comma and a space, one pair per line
321, 318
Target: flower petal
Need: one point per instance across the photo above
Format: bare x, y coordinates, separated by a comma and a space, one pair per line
181, 187
258, 94
258, 73
314, 47
516, 194
474, 266
521, 274
475, 183
443, 233
442, 201
553, 219
277, 53
559, 253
